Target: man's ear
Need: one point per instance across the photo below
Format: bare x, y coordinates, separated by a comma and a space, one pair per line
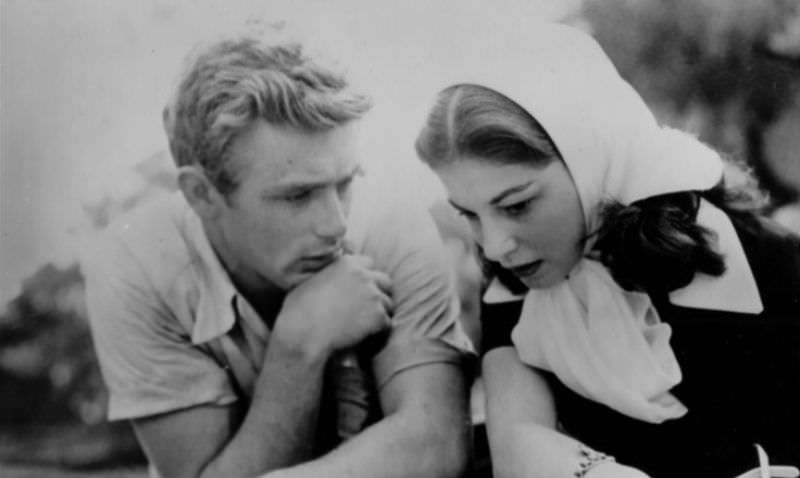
199, 192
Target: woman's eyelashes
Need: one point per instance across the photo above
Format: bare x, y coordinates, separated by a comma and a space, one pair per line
518, 208
469, 215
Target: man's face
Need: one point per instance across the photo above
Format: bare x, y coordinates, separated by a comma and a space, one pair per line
287, 218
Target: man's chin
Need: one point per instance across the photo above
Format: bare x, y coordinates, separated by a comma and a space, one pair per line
302, 272
298, 277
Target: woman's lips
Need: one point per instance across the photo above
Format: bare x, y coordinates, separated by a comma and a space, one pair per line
526, 270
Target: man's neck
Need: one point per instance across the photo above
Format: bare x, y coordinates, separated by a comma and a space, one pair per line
262, 295
267, 303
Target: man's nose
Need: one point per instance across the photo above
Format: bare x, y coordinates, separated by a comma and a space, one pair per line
498, 242
331, 222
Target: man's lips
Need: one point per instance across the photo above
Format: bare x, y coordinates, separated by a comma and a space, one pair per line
320, 261
526, 270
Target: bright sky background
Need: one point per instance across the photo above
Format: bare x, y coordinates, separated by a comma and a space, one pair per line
82, 85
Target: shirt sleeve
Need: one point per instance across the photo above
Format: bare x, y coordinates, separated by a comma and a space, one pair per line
425, 325
146, 356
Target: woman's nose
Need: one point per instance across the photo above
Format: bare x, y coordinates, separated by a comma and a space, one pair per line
498, 243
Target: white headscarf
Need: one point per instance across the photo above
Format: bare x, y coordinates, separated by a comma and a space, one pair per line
603, 342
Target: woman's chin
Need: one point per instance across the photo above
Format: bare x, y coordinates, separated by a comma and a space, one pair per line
542, 280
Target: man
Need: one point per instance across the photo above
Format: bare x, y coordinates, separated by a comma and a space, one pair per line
242, 327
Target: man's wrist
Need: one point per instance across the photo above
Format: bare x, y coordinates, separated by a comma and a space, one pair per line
291, 341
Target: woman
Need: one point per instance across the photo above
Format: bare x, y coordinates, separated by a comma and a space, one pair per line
636, 308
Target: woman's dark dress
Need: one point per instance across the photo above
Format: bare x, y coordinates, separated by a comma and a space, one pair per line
741, 377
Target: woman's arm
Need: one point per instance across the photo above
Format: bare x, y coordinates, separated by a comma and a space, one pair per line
521, 424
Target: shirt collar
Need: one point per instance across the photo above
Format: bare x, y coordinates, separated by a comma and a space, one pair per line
734, 291
215, 314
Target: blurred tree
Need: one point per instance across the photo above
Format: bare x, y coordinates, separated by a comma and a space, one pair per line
727, 70
54, 402
45, 351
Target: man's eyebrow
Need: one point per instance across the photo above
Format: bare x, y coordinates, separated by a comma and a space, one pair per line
508, 192
312, 184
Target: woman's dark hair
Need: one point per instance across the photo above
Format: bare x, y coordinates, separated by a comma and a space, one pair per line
653, 245
471, 120
660, 234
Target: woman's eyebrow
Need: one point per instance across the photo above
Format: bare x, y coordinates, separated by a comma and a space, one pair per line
509, 192
457, 206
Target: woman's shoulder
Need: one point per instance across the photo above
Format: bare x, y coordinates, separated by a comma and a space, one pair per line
761, 229
773, 253
770, 247
769, 253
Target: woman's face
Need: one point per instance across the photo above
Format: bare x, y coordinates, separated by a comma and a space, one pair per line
526, 217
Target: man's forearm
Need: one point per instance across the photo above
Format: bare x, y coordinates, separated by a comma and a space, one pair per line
393, 448
427, 433
279, 427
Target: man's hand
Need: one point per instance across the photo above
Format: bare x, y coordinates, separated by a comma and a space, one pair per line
337, 308
334, 309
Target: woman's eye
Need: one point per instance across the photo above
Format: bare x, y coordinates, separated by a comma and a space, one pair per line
471, 216
517, 209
